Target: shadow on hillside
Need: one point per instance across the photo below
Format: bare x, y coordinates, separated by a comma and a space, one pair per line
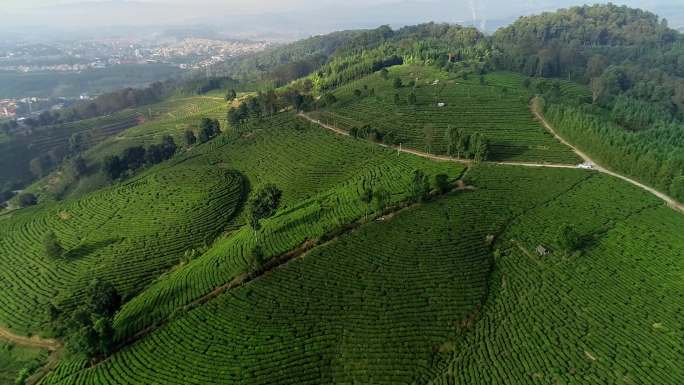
505, 153
83, 250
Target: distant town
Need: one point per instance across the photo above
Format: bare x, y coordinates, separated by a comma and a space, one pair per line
189, 53
75, 57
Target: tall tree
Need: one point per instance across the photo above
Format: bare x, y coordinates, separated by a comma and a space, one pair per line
420, 186
568, 239
113, 166
366, 197
190, 137
51, 246
381, 198
478, 144
231, 95
264, 205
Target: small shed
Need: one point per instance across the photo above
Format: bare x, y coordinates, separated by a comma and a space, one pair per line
542, 251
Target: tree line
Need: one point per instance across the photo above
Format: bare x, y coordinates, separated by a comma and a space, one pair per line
133, 158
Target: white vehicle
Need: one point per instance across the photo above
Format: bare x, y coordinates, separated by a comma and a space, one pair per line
586, 166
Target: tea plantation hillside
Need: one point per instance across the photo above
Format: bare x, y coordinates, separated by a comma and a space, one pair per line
127, 235
150, 123
17, 151
495, 105
171, 118
389, 208
611, 314
399, 301
322, 177
53, 143
374, 306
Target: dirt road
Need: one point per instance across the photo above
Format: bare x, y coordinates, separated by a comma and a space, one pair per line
441, 158
670, 201
32, 342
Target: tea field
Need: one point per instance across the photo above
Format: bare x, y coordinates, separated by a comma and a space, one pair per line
127, 234
609, 315
321, 175
378, 305
496, 106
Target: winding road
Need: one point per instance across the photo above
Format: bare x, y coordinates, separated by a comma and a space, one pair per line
596, 167
671, 202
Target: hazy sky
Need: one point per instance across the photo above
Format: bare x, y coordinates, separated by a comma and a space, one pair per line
294, 17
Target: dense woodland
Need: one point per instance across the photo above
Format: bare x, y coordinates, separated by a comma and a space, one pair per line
634, 66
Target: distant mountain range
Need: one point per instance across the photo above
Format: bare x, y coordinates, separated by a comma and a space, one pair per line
116, 17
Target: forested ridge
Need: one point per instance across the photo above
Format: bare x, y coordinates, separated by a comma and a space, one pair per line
632, 63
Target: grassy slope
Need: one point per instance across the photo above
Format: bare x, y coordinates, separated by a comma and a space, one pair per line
15, 358
502, 116
128, 234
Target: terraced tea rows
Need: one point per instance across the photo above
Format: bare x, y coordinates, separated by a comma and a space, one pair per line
127, 235
315, 202
610, 315
374, 306
172, 117
497, 109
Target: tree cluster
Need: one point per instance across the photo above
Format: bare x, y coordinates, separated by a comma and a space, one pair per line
377, 135
208, 129
568, 239
51, 246
616, 50
378, 199
27, 199
103, 105
420, 186
132, 158
460, 144
88, 328
266, 104
263, 205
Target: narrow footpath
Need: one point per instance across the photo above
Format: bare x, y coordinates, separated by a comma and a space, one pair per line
31, 342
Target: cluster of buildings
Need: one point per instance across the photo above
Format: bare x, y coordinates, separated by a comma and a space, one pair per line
51, 68
8, 108
200, 53
79, 56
